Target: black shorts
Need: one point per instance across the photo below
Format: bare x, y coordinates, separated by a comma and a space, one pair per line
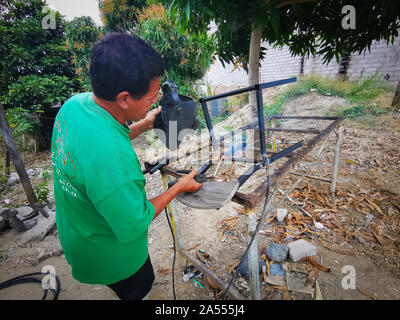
138, 285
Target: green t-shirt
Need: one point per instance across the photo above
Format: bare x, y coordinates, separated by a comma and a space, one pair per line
102, 212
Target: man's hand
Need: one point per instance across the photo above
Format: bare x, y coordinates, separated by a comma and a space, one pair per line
146, 124
150, 117
187, 183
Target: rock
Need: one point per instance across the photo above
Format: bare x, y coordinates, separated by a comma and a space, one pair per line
23, 212
277, 252
40, 230
281, 214
13, 179
300, 249
244, 268
4, 224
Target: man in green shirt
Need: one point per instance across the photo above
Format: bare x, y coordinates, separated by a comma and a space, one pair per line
102, 211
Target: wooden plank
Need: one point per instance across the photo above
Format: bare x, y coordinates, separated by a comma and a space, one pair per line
213, 195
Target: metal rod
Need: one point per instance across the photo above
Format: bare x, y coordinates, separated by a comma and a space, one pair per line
261, 127
247, 89
336, 160
294, 130
311, 177
209, 124
252, 255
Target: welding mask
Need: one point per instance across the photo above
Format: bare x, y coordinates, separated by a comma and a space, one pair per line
178, 114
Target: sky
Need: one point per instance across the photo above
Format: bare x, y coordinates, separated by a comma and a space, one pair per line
77, 8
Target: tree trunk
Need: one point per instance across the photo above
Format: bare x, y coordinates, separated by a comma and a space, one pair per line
16, 157
254, 67
396, 99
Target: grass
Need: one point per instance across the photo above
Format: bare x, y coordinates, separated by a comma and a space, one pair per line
361, 92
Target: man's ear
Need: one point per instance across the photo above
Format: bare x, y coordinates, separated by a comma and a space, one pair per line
122, 100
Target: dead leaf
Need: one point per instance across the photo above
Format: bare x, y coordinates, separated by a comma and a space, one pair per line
374, 206
233, 267
162, 271
316, 264
366, 294
312, 276
378, 233
349, 161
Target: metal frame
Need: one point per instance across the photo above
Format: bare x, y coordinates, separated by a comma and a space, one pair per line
252, 199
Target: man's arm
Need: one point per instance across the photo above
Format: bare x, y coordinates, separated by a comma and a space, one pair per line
145, 124
185, 184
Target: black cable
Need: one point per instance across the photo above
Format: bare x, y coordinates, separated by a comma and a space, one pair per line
173, 262
251, 241
26, 278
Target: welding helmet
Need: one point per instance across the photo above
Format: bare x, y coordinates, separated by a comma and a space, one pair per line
178, 113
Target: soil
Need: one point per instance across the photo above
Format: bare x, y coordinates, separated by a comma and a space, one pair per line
362, 221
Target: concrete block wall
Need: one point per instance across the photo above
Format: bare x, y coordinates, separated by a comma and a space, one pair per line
279, 64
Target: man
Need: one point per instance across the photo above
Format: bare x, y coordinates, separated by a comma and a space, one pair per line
102, 212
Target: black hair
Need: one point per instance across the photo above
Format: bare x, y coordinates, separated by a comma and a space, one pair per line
122, 62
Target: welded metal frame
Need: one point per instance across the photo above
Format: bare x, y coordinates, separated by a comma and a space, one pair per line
252, 199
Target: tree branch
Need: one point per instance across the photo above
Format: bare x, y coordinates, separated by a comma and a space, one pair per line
292, 2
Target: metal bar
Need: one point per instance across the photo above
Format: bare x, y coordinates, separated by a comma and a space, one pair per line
254, 197
277, 83
306, 117
228, 94
247, 89
246, 127
336, 160
294, 130
261, 127
310, 177
209, 125
234, 293
249, 172
252, 255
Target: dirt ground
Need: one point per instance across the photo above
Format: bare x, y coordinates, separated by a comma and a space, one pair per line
361, 223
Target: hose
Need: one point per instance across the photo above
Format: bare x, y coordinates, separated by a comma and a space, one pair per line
26, 278
173, 262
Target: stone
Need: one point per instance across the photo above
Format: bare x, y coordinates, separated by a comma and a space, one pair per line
13, 179
300, 249
281, 214
277, 252
23, 212
4, 224
41, 229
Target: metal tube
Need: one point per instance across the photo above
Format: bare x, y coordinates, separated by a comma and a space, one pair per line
336, 160
252, 255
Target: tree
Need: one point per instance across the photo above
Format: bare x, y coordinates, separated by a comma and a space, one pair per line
120, 15
35, 70
396, 98
81, 34
307, 27
186, 58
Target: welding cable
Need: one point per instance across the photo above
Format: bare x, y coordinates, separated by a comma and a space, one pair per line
26, 278
173, 262
252, 239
